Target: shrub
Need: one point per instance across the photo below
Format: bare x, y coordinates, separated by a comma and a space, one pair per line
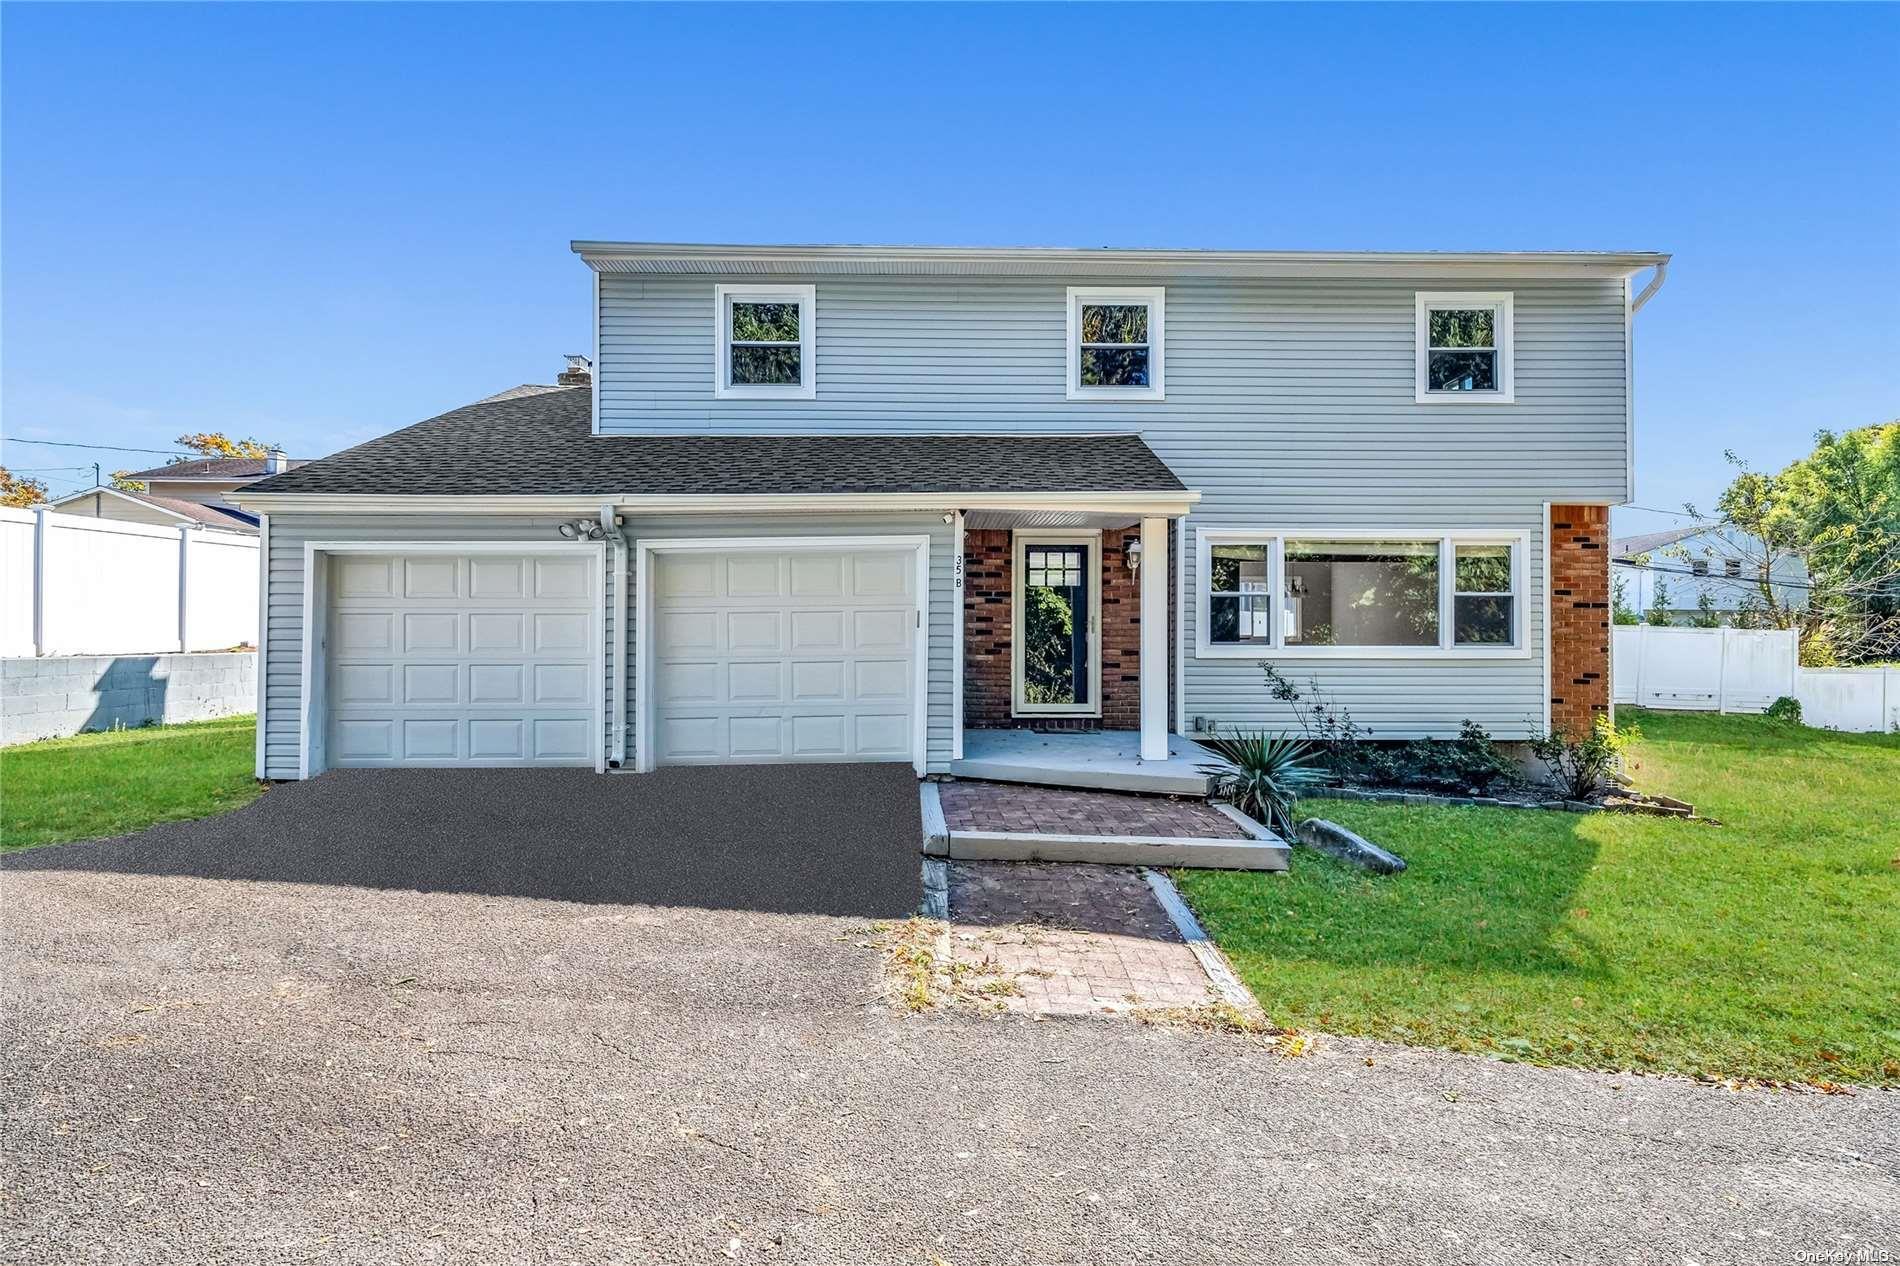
1582, 766
1261, 774
1785, 710
1470, 763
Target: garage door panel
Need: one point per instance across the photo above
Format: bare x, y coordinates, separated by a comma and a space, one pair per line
492, 632
563, 577
816, 736
686, 631
818, 681
495, 579
430, 684
882, 734
789, 655
754, 576
476, 659
491, 684
755, 682
880, 680
363, 632
561, 683
431, 578
881, 576
880, 631
431, 738
683, 576
817, 576
559, 632
371, 739
817, 631
431, 632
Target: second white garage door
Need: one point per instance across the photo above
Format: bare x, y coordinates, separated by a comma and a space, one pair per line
805, 655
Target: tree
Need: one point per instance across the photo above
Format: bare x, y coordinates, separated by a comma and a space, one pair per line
123, 484
1620, 610
1706, 616
218, 444
1836, 513
1658, 614
20, 491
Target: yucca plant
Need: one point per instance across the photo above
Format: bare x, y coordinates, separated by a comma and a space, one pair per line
1262, 774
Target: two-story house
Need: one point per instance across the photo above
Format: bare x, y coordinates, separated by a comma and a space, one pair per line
840, 503
1705, 570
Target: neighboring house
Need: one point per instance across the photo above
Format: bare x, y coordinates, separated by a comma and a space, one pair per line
1715, 559
860, 503
211, 480
143, 507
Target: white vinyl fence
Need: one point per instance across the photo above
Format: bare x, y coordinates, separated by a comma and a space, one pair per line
72, 585
1745, 670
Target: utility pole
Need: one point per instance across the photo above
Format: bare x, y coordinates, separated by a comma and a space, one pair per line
95, 475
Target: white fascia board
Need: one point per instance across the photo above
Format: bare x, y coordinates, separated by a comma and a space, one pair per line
755, 260
1159, 504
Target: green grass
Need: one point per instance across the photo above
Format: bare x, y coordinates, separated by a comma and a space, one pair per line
113, 783
1767, 948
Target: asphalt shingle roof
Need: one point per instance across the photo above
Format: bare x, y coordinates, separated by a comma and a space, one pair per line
207, 468
540, 444
229, 518
1629, 546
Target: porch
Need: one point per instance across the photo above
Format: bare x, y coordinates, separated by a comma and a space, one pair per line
1101, 759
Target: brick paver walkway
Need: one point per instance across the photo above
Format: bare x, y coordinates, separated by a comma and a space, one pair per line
1075, 940
1000, 806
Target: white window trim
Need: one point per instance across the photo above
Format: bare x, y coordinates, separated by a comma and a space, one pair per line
1092, 566
1155, 297
806, 297
1276, 648
1503, 302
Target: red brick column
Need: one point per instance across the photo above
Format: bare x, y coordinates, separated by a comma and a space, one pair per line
1121, 633
1579, 616
986, 613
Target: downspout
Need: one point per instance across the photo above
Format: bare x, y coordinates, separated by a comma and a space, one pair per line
617, 649
1649, 291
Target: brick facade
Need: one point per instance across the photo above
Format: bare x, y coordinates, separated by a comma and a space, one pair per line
987, 599
1579, 616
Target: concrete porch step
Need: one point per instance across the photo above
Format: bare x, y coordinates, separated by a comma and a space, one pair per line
1106, 760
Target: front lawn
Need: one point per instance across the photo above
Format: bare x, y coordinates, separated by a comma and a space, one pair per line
1766, 948
121, 781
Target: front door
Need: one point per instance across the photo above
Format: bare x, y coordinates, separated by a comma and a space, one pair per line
1057, 614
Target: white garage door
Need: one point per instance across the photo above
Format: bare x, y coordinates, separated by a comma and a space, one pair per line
480, 659
804, 655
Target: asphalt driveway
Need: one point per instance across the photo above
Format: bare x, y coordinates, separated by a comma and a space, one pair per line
450, 1041
805, 839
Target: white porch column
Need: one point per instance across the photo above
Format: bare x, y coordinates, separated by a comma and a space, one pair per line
1154, 639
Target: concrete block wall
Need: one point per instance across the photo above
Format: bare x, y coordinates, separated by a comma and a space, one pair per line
59, 695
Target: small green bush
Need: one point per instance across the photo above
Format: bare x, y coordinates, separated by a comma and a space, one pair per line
1785, 710
1581, 767
1261, 774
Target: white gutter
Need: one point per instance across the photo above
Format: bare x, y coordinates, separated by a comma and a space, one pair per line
1162, 504
696, 257
1655, 284
616, 649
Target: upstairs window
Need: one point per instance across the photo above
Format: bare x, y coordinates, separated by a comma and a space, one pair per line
1115, 343
1699, 567
1464, 348
766, 344
1732, 568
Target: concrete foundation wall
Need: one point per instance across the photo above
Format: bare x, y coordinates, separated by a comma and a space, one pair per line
60, 695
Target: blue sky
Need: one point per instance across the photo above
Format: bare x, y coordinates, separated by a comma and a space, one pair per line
315, 224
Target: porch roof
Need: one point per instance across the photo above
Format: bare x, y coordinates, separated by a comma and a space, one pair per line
540, 444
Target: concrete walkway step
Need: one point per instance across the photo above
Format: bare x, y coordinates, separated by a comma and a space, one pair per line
1261, 849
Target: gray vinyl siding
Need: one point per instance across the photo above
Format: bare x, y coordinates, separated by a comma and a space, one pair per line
940, 699
289, 533
1289, 406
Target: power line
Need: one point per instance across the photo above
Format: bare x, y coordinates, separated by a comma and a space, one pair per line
108, 448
